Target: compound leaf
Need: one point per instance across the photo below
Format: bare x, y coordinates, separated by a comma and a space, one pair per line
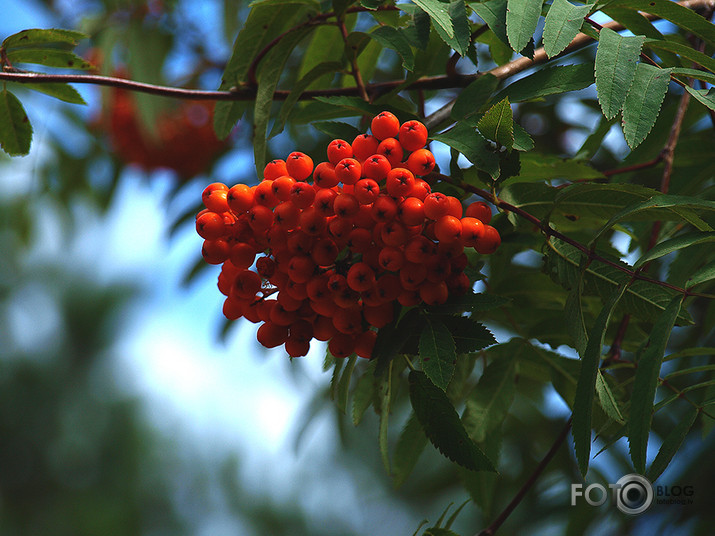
442, 425
642, 104
616, 61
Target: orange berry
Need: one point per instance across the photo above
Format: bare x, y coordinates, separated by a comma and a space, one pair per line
299, 165
413, 135
337, 150
421, 162
385, 125
479, 210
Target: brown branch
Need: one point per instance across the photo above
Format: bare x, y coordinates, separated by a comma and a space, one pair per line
491, 529
634, 167
353, 62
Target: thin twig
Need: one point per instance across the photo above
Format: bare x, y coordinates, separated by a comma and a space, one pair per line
491, 529
634, 167
353, 62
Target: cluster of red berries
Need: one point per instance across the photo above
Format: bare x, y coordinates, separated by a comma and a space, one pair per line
184, 140
336, 257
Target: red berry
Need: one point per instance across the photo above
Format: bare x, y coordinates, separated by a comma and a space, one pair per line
385, 125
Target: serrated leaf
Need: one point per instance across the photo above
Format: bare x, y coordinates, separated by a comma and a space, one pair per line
704, 96
298, 88
474, 96
583, 401
642, 104
493, 13
392, 38
459, 41
706, 273
442, 425
384, 392
573, 311
392, 337
15, 127
540, 167
671, 443
468, 334
337, 130
63, 92
410, 444
607, 399
683, 51
269, 73
675, 244
645, 383
50, 57
473, 146
694, 73
522, 140
36, 37
489, 402
659, 204
343, 387
439, 13
616, 61
562, 24
522, 16
498, 124
364, 393
418, 29
678, 14
437, 352
551, 80
643, 299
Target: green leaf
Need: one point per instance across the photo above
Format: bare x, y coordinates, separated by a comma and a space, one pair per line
522, 140
437, 353
660, 203
493, 13
269, 73
337, 130
706, 273
607, 399
643, 299
35, 37
472, 145
392, 38
683, 51
474, 96
313, 3
704, 96
679, 15
442, 425
675, 244
410, 444
439, 13
563, 23
384, 392
371, 4
522, 16
574, 316
498, 124
489, 402
671, 443
298, 89
642, 104
343, 387
468, 334
392, 337
583, 402
63, 92
694, 73
435, 531
364, 393
15, 127
549, 81
462, 33
540, 167
418, 29
51, 57
262, 25
645, 383
616, 60
354, 105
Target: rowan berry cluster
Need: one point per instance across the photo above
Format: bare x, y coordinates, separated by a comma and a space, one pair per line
184, 139
334, 259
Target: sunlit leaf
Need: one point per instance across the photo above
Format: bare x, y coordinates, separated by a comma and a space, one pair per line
562, 24
522, 16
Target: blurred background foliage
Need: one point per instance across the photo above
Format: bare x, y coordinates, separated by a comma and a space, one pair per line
81, 448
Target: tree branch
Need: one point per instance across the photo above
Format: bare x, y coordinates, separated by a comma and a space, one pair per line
491, 529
